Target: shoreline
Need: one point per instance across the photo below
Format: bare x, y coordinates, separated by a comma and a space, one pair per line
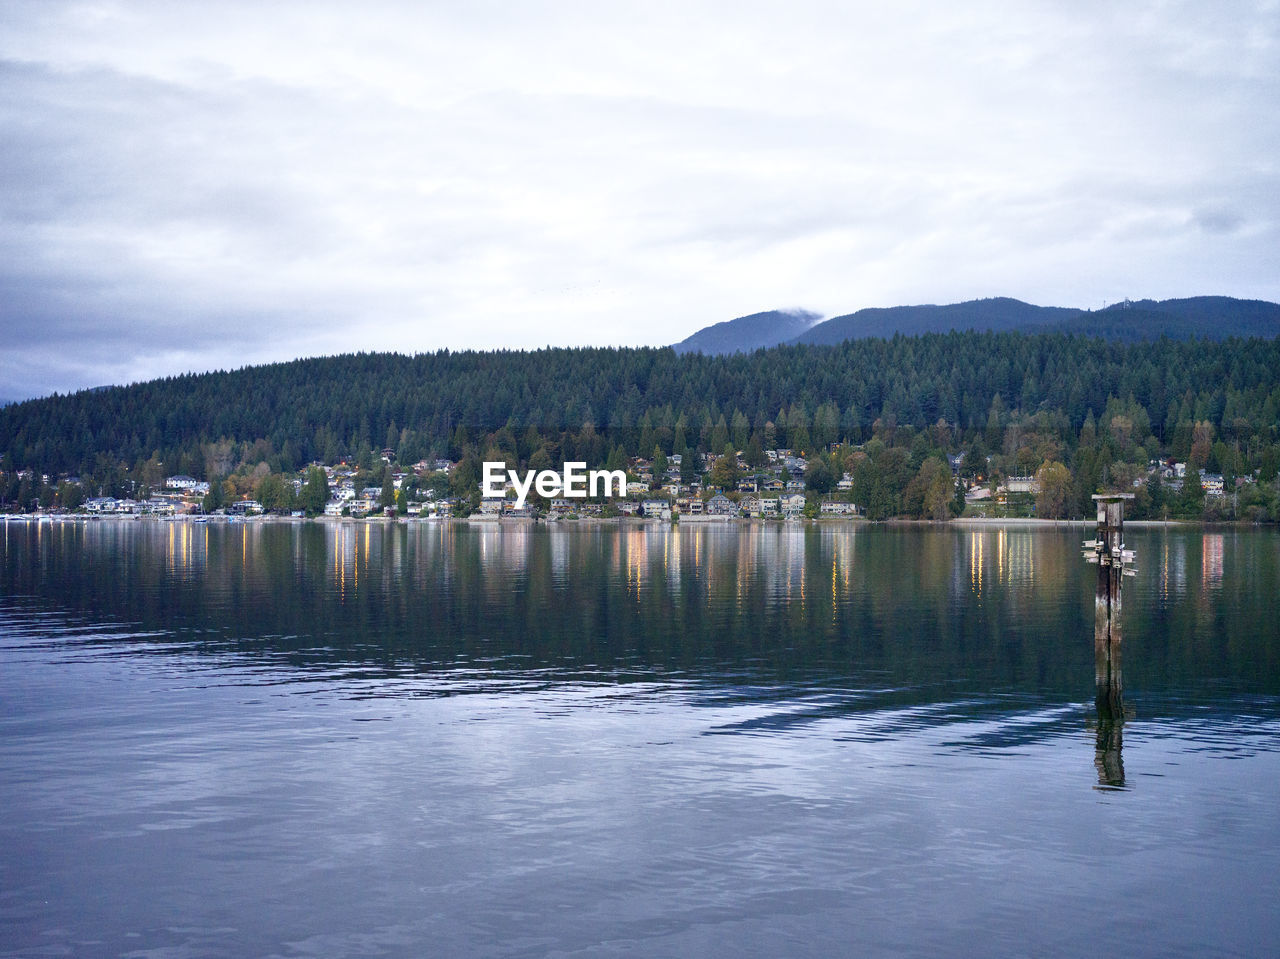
1033, 521
696, 520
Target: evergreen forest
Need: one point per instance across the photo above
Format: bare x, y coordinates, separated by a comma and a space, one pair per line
1097, 413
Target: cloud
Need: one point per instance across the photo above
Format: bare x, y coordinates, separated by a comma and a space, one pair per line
1217, 220
186, 185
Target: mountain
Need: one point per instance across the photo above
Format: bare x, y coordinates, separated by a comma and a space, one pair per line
748, 333
1212, 317
1000, 314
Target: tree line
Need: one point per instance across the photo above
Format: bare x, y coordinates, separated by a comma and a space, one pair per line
880, 409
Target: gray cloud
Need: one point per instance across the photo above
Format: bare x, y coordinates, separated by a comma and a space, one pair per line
185, 186
1217, 220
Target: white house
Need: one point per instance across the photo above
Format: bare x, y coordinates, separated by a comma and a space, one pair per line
188, 484
792, 505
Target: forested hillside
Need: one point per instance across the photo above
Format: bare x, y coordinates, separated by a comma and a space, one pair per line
748, 333
1103, 408
996, 315
1209, 317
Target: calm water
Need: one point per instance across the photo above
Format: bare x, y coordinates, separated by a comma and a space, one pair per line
321, 740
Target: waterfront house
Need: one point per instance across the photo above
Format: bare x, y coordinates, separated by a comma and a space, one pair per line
792, 504
721, 505
187, 484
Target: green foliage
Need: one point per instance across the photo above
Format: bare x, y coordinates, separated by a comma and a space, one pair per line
1053, 498
1189, 503
215, 499
387, 497
315, 492
929, 493
275, 495
660, 464
724, 471
820, 477
330, 407
70, 495
880, 478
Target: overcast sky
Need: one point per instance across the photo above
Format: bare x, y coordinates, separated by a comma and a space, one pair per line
187, 186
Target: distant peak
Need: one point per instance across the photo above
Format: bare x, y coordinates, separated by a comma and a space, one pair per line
752, 332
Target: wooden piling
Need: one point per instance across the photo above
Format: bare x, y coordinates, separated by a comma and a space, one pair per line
1114, 563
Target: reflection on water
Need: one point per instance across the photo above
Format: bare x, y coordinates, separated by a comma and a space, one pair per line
1211, 559
188, 547
1001, 557
984, 615
631, 739
989, 607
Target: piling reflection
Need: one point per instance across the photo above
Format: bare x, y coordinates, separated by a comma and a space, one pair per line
1109, 679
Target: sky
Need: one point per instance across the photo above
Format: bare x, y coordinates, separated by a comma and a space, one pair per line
194, 186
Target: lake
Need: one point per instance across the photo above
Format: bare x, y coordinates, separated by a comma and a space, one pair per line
364, 739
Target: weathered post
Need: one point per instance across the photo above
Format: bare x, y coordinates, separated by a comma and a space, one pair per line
1113, 561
